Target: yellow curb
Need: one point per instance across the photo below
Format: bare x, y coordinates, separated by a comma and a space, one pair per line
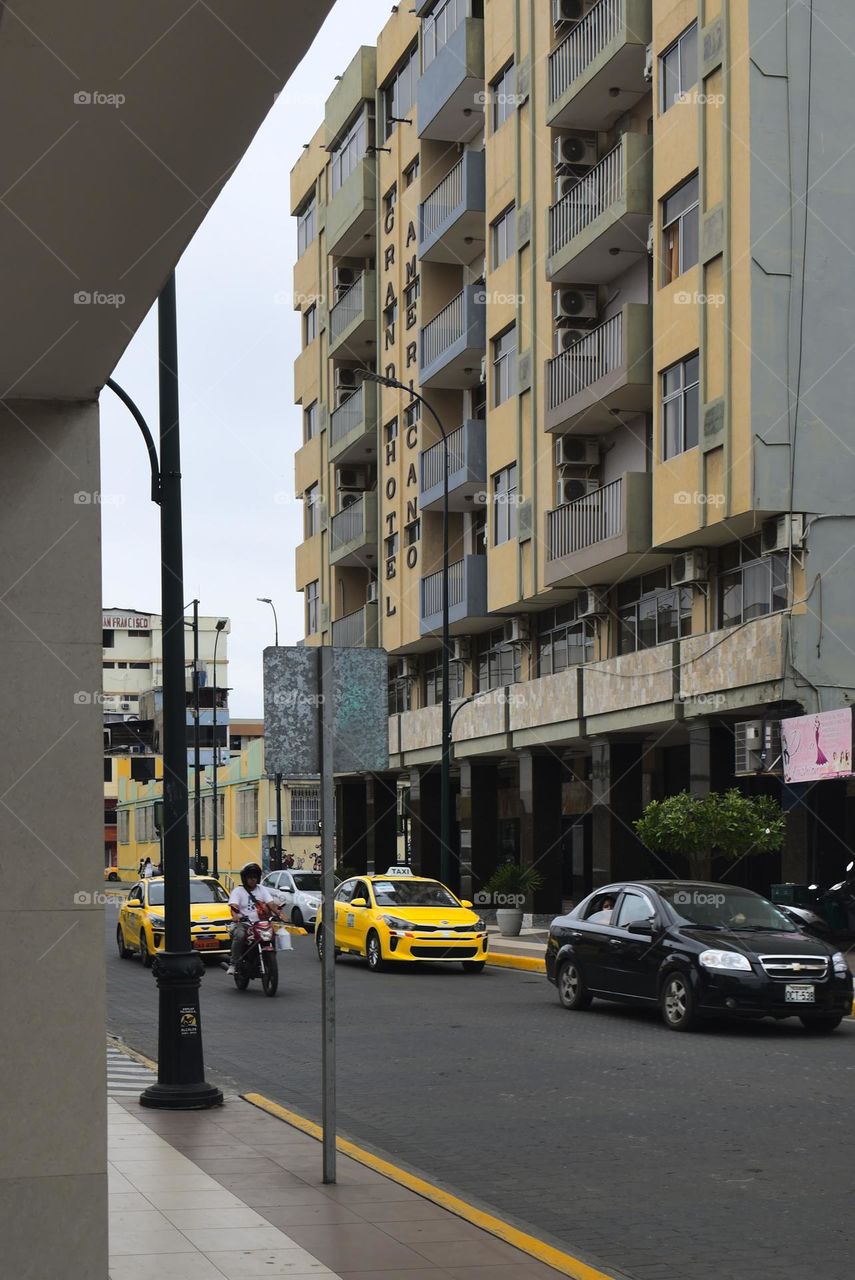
502, 960
132, 1053
535, 1248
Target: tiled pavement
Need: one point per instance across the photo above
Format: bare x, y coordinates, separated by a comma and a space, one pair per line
234, 1193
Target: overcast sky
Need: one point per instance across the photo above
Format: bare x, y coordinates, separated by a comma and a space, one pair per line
238, 338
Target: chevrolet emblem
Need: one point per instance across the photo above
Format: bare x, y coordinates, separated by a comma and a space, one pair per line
797, 968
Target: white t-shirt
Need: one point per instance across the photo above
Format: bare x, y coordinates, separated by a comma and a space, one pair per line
240, 898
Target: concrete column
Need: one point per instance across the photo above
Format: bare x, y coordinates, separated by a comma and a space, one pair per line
616, 794
53, 1157
381, 795
351, 824
540, 779
700, 758
424, 808
477, 813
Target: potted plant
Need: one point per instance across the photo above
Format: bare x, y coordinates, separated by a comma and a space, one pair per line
508, 887
727, 823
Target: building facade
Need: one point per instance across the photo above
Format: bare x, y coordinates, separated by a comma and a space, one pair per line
605, 241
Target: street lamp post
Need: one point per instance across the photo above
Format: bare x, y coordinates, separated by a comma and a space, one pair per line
215, 833
447, 874
277, 778
197, 755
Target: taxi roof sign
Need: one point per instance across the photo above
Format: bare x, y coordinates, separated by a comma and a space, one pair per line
399, 870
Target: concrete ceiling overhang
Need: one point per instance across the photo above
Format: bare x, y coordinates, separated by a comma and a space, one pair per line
122, 121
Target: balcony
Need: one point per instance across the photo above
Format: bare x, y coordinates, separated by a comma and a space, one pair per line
467, 597
597, 73
353, 533
608, 371
467, 469
353, 320
452, 216
353, 427
600, 227
598, 539
453, 344
449, 94
358, 629
351, 218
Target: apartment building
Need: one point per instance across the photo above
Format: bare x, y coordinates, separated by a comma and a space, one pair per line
606, 242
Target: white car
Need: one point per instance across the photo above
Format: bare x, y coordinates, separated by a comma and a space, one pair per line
300, 891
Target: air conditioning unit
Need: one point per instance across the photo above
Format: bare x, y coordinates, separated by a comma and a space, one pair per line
593, 603
351, 478
576, 305
125, 706
347, 498
564, 185
574, 151
409, 668
572, 488
344, 278
781, 533
346, 380
461, 649
515, 630
564, 11
757, 747
576, 451
567, 338
648, 64
373, 593
692, 566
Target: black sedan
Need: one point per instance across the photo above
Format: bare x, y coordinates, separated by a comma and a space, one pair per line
696, 950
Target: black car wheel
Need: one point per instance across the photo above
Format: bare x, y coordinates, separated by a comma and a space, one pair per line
678, 1004
112, 877
124, 951
572, 991
145, 955
821, 1024
472, 966
374, 952
297, 918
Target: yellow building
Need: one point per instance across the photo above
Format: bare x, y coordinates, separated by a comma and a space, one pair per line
569, 227
246, 806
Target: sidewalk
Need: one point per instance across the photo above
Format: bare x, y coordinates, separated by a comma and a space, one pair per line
235, 1193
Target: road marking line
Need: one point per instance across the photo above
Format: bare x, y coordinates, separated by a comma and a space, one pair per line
531, 964
535, 1248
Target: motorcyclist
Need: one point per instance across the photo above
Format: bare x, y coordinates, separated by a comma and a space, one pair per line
249, 902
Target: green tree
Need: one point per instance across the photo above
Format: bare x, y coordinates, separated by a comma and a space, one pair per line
726, 823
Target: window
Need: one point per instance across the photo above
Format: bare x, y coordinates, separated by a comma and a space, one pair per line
440, 25
498, 660
305, 811
411, 172
634, 908
678, 67
399, 688
391, 198
399, 92
412, 533
390, 431
750, 584
350, 150
503, 236
412, 414
247, 811
680, 406
306, 224
651, 611
680, 230
139, 631
412, 293
503, 96
505, 365
144, 827
108, 769
310, 421
310, 324
142, 768
505, 504
563, 640
433, 678
391, 545
108, 639
313, 511
109, 666
390, 314
123, 826
139, 666
313, 590
208, 816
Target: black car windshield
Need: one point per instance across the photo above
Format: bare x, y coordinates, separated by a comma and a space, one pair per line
723, 907
412, 893
307, 880
200, 891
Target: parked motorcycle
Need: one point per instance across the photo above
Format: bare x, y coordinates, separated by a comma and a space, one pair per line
259, 959
831, 915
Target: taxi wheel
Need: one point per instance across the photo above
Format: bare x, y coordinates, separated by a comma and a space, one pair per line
374, 952
145, 955
112, 877
472, 966
124, 952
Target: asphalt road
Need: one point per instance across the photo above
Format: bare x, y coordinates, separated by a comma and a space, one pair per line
724, 1154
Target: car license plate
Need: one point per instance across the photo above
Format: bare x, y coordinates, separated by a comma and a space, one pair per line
207, 942
798, 993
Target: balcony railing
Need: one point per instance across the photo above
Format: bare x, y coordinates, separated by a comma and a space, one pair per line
586, 521
432, 459
349, 631
443, 200
432, 589
348, 308
597, 29
348, 416
600, 352
591, 196
443, 331
347, 525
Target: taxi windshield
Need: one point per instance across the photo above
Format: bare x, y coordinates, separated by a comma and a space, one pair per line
200, 891
412, 893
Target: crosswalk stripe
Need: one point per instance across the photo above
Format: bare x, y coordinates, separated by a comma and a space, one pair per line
125, 1076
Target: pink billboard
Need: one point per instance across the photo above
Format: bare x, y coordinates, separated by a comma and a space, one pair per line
817, 746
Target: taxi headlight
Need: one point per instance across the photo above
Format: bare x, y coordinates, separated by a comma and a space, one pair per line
725, 960
395, 922
480, 926
157, 922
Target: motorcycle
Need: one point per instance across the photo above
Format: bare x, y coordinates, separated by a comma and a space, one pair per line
259, 958
831, 914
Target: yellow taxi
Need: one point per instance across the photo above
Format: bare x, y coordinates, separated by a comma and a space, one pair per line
401, 917
140, 930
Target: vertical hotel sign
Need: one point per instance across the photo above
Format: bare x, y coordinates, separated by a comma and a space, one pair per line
817, 746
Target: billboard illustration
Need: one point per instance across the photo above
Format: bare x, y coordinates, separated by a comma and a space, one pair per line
817, 746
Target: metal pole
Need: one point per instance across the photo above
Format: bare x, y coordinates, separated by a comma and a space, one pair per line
278, 848
327, 723
445, 759
197, 759
215, 835
178, 969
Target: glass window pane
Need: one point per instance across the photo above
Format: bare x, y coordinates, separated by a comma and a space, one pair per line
689, 240
756, 589
671, 428
666, 616
646, 624
672, 379
689, 58
691, 418
670, 78
731, 600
